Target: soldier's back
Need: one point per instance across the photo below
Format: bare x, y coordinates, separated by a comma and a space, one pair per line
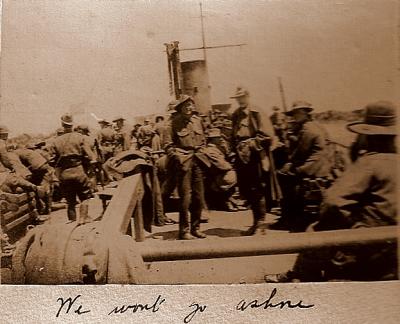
107, 134
69, 144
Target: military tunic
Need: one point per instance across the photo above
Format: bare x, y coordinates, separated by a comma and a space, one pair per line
42, 175
71, 150
365, 194
254, 178
107, 142
186, 137
123, 139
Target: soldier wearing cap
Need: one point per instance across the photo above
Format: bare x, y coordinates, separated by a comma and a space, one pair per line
278, 121
71, 150
310, 162
146, 134
165, 165
252, 135
184, 143
221, 177
122, 136
106, 138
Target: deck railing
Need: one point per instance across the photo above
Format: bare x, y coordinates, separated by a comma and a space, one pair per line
125, 208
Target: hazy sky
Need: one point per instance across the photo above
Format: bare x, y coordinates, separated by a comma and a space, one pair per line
106, 56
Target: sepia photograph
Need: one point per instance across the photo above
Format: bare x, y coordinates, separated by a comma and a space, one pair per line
198, 142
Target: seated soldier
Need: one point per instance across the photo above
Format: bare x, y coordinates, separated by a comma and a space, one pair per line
220, 177
363, 196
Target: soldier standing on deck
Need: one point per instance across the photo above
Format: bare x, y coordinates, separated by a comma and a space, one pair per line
71, 150
106, 138
146, 133
185, 142
253, 135
122, 136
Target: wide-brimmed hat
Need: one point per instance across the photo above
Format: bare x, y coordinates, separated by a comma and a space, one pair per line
66, 119
181, 101
275, 108
83, 127
214, 133
117, 118
240, 92
300, 104
103, 121
3, 129
171, 106
380, 119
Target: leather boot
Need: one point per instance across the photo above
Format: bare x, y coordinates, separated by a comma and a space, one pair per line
71, 213
198, 234
255, 229
185, 236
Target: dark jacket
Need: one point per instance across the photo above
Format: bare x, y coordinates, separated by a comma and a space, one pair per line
311, 155
257, 123
186, 136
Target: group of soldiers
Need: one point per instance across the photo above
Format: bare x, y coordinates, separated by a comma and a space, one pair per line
287, 161
248, 159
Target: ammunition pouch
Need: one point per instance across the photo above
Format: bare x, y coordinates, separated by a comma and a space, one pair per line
312, 189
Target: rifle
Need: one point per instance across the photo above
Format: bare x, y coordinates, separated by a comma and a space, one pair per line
285, 131
98, 168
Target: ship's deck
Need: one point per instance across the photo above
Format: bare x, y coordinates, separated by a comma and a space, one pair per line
225, 270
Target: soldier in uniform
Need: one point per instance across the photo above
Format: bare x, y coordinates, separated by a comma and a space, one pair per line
106, 138
71, 150
278, 121
122, 136
185, 140
42, 175
310, 162
145, 134
94, 172
252, 134
220, 177
9, 158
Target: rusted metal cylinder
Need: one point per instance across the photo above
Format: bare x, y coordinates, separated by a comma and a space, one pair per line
268, 244
196, 83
